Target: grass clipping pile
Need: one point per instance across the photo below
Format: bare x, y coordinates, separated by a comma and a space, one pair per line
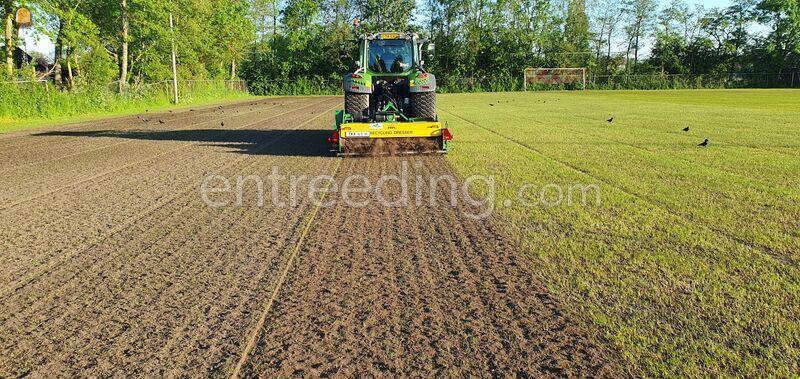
392, 146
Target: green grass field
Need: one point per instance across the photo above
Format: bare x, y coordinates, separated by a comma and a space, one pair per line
689, 263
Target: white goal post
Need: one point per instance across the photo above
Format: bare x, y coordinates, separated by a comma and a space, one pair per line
554, 76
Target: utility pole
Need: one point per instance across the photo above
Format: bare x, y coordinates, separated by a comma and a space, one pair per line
123, 67
174, 62
7, 8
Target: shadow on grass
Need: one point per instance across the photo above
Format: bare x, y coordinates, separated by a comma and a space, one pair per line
279, 142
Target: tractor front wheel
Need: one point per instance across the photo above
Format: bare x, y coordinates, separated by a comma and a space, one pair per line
357, 105
423, 105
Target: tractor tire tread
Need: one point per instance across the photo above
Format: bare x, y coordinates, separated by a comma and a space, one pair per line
357, 105
423, 105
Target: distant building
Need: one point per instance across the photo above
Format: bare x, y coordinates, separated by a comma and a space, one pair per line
23, 59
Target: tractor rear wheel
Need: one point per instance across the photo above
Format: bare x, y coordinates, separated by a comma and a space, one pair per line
357, 105
423, 105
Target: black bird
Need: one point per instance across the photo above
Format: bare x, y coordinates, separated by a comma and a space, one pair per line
222, 123
147, 110
160, 121
491, 105
686, 129
498, 101
704, 143
610, 120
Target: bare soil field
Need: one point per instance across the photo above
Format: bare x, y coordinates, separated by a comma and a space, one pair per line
112, 263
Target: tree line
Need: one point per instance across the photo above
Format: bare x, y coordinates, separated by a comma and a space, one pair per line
297, 43
499, 39
128, 42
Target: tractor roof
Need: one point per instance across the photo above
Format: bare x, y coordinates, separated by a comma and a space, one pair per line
391, 35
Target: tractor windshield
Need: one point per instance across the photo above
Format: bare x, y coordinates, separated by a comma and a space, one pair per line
390, 56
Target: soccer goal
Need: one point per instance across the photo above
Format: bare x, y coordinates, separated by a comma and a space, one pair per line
534, 76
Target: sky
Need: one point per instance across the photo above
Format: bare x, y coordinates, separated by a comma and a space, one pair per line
713, 3
42, 44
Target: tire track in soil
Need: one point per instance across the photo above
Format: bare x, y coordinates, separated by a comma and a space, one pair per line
253, 336
61, 143
168, 296
417, 291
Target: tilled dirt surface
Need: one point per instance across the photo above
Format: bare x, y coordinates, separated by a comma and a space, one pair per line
112, 263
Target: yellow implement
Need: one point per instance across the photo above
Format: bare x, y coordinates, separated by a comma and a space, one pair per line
391, 129
389, 138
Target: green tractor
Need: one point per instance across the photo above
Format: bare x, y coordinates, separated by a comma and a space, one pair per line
390, 100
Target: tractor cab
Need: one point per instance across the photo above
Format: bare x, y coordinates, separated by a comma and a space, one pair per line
390, 53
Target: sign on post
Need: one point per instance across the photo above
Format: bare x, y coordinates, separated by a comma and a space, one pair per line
23, 18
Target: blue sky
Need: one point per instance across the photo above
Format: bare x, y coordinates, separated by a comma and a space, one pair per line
43, 44
714, 3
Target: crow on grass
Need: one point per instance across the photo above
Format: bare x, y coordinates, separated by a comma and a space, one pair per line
686, 129
704, 143
491, 105
610, 120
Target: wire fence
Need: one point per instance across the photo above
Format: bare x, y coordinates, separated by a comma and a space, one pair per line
451, 84
511, 83
299, 86
678, 81
185, 87
623, 82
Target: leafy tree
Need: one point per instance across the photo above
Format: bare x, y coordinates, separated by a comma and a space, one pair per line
576, 36
640, 14
607, 15
269, 41
783, 42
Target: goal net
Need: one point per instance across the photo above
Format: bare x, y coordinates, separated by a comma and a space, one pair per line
546, 77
